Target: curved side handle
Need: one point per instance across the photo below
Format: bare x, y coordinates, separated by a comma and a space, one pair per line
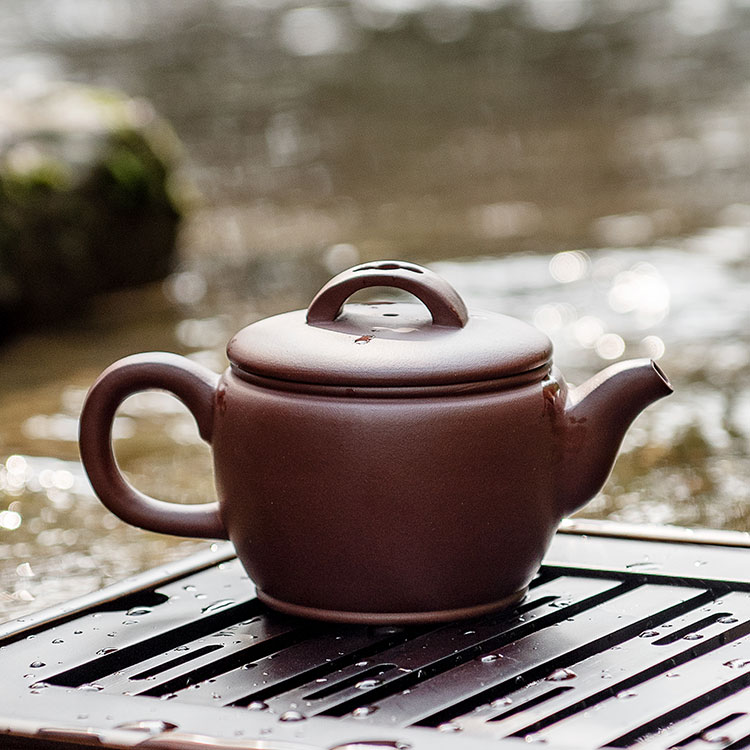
195, 386
441, 299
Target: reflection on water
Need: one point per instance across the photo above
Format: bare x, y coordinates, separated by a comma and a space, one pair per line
586, 163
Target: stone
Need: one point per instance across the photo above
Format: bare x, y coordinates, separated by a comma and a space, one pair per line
87, 199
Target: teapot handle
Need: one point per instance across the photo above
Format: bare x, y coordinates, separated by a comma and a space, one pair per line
441, 299
195, 386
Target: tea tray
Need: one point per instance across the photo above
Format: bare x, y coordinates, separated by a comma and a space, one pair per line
628, 637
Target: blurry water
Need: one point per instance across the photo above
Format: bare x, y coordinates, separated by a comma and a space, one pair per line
581, 165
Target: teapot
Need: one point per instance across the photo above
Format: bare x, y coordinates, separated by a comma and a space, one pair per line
383, 462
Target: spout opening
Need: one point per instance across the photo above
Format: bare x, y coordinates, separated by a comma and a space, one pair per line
662, 375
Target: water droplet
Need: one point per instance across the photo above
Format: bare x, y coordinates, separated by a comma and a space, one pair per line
490, 658
77, 632
138, 612
189, 587
692, 637
168, 697
112, 635
148, 726
605, 675
321, 679
625, 694
449, 726
39, 686
648, 634
37, 664
387, 630
91, 687
737, 663
670, 675
216, 606
364, 711
58, 640
717, 738
368, 684
500, 702
103, 651
257, 706
560, 675
215, 696
292, 716
560, 603
727, 620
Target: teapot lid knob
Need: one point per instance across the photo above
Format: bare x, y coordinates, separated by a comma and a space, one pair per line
439, 297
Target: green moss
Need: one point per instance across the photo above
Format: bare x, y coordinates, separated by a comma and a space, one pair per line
82, 211
44, 178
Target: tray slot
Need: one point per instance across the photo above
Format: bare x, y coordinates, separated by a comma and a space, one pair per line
529, 704
371, 673
136, 653
319, 653
613, 671
727, 688
660, 701
709, 735
176, 662
689, 630
537, 655
691, 727
235, 659
422, 655
308, 666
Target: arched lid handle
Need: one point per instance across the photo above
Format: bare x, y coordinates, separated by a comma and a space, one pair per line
439, 297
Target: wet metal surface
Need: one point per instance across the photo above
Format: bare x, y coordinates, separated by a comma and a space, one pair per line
581, 165
602, 652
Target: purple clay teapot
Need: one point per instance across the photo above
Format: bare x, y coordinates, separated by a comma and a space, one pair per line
385, 462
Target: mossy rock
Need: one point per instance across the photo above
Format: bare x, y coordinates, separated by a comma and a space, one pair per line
87, 200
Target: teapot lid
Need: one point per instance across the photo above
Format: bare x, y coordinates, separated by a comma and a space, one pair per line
388, 344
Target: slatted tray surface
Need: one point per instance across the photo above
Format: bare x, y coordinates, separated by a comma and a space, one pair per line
618, 643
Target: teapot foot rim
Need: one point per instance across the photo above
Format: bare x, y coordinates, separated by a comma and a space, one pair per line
390, 618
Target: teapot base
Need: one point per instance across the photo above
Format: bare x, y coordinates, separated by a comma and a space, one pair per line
390, 618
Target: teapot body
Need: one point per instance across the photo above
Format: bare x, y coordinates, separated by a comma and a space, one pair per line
378, 508
381, 462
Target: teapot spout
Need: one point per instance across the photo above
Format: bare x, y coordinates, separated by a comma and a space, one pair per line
596, 417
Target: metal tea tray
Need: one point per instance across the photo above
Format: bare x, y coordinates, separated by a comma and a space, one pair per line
628, 637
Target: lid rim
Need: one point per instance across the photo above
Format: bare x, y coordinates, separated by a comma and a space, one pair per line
388, 345
503, 382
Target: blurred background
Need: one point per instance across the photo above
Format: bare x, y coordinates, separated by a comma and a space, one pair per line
582, 165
